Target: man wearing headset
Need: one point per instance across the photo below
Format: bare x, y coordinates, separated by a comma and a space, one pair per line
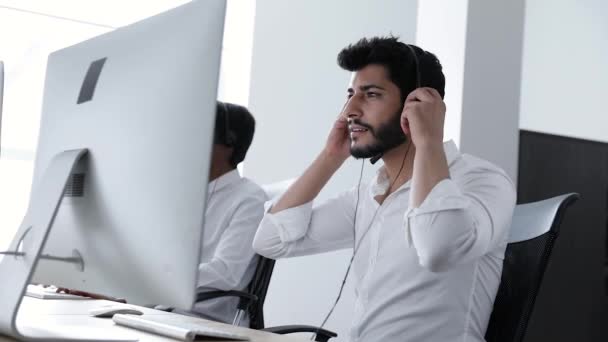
235, 206
428, 232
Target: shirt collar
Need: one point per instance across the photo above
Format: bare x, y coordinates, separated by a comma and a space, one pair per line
223, 181
381, 182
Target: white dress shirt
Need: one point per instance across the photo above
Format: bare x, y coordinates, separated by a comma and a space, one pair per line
421, 274
235, 207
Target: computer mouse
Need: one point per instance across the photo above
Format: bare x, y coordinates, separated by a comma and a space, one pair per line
110, 310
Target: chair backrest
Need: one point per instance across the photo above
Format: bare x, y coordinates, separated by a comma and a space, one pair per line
259, 287
534, 228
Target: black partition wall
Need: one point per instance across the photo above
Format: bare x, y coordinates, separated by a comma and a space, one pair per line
572, 304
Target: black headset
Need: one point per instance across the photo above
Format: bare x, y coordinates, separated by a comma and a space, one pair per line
229, 136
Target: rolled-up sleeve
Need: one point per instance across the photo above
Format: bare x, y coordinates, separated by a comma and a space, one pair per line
459, 222
305, 230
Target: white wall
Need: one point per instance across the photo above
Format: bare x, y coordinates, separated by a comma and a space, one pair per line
237, 46
442, 29
479, 43
491, 87
297, 90
565, 68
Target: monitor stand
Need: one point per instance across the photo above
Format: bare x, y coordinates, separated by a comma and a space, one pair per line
17, 267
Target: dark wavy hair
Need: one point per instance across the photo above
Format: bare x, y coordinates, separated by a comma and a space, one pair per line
398, 60
234, 127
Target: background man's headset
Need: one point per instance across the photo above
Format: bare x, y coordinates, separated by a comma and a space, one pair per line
229, 136
372, 160
229, 139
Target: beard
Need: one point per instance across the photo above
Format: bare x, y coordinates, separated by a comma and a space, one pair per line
386, 137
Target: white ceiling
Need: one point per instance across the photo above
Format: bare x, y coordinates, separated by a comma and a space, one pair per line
112, 13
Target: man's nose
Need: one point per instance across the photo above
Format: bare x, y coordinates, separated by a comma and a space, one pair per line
352, 109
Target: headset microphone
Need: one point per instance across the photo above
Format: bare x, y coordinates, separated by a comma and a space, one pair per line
375, 158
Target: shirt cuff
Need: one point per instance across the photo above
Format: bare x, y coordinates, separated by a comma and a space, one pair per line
444, 196
292, 224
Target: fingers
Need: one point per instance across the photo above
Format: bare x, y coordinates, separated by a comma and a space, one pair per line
434, 93
424, 94
341, 123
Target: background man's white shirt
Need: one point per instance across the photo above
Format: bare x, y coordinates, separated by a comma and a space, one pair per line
235, 207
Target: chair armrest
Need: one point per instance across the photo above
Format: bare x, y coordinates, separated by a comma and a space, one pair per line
246, 298
202, 296
322, 334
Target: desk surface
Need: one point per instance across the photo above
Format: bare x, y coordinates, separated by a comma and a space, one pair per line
60, 315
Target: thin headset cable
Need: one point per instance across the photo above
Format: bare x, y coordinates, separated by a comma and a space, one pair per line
351, 259
356, 246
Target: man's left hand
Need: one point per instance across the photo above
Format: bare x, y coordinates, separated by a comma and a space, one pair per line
423, 116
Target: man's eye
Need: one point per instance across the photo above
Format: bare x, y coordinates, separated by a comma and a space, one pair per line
372, 94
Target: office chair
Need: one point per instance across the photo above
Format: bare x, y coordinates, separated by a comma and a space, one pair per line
534, 228
252, 300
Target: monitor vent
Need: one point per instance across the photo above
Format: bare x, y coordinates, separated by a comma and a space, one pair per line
75, 186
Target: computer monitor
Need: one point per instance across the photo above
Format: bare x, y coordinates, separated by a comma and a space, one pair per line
141, 99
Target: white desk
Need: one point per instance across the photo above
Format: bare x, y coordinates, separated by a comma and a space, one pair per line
73, 316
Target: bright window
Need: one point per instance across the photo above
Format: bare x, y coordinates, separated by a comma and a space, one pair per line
31, 29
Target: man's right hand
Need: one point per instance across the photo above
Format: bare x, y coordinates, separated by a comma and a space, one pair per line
338, 141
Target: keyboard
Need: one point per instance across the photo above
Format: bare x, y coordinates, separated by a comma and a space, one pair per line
40, 292
183, 328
